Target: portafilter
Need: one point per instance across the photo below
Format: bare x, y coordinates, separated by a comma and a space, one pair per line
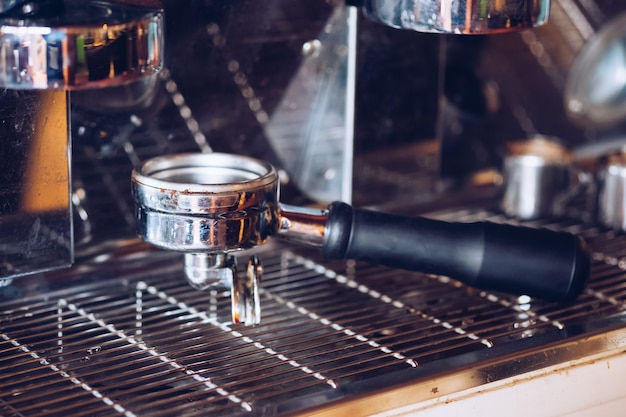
210, 205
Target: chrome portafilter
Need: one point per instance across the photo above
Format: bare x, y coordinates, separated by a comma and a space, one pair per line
207, 206
210, 205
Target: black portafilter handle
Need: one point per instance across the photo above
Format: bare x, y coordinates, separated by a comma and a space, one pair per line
541, 263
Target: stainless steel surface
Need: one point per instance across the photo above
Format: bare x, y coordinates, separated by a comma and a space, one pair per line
459, 16
612, 192
594, 93
312, 127
539, 176
35, 209
85, 45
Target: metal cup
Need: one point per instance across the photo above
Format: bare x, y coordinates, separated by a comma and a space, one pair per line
611, 208
540, 178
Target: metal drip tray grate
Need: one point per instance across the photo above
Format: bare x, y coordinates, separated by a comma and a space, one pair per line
131, 338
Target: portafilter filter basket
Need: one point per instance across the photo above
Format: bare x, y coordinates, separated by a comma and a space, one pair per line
209, 205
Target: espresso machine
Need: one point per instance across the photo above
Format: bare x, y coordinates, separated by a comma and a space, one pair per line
151, 145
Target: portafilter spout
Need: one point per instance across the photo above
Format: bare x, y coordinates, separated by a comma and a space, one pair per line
209, 205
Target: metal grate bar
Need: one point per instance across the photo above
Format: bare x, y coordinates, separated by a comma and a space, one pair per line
150, 343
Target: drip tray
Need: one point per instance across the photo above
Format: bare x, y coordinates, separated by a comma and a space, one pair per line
123, 334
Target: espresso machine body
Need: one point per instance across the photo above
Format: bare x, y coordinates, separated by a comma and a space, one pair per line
405, 107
